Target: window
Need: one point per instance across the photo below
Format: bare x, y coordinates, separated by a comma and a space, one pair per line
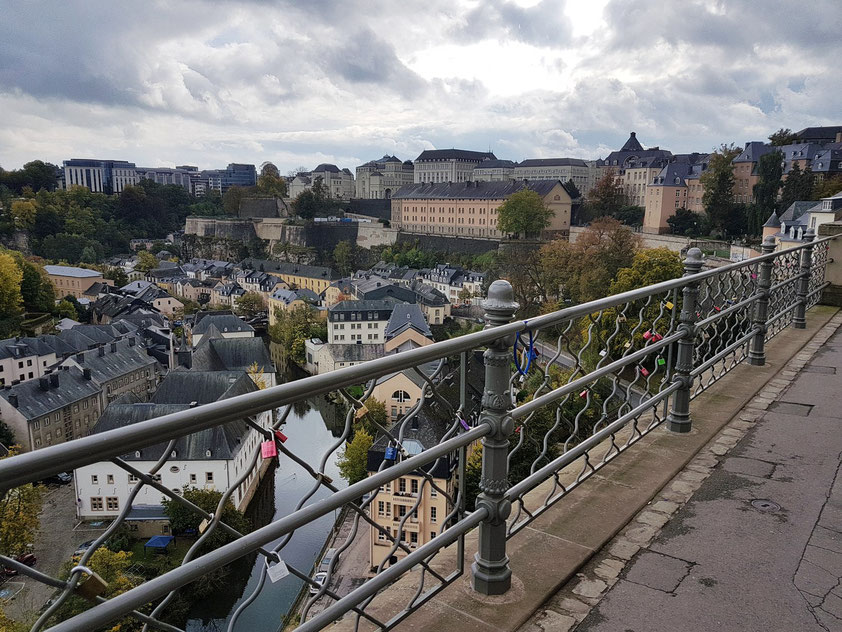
432, 534
109, 479
381, 536
96, 503
209, 477
402, 485
433, 511
132, 479
112, 503
193, 479
433, 492
36, 425
94, 479
414, 485
413, 538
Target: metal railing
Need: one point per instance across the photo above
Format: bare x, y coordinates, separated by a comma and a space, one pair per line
555, 399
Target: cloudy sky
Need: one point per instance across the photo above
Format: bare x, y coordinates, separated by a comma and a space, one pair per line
207, 82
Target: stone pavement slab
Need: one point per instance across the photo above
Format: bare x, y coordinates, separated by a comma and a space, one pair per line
761, 538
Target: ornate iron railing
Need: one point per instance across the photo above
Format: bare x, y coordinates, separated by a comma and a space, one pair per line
559, 396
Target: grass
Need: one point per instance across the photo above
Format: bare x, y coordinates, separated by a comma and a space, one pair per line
153, 563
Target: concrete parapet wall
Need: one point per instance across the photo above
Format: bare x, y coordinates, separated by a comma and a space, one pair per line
442, 243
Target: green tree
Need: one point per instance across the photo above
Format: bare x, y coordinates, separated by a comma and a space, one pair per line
827, 187
797, 187
572, 189
607, 196
718, 182
272, 185
250, 304
146, 261
375, 417
783, 136
231, 200
292, 328
765, 192
343, 257
649, 266
353, 460
523, 213
630, 215
688, 223
66, 310
37, 291
183, 519
24, 213
7, 435
473, 474
117, 275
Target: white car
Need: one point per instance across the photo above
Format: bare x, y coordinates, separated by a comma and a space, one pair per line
320, 579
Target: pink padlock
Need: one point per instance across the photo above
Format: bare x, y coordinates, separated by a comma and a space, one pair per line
643, 371
268, 449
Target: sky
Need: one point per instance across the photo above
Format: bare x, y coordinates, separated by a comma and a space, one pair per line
208, 82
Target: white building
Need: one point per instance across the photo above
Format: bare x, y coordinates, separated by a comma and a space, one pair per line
448, 165
100, 176
452, 281
209, 459
378, 179
359, 322
494, 170
338, 183
563, 169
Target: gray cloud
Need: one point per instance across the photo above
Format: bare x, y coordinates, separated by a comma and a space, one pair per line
543, 24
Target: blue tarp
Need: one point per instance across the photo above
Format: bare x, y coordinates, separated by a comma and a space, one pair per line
158, 542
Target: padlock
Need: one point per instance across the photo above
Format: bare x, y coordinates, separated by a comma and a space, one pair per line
89, 587
647, 335
361, 411
661, 362
268, 449
281, 436
391, 453
670, 305
583, 394
464, 424
643, 371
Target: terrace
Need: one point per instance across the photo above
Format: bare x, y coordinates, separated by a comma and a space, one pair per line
637, 395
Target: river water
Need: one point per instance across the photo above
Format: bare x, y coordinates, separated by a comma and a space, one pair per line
311, 430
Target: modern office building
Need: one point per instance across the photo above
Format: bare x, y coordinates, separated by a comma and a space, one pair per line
100, 176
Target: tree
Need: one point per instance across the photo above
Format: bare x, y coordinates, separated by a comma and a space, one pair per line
146, 261
256, 372
11, 277
783, 136
523, 213
649, 266
24, 213
37, 291
375, 418
231, 199
607, 196
630, 215
353, 460
183, 519
343, 257
19, 511
827, 187
272, 185
66, 310
250, 304
798, 186
473, 474
718, 183
292, 328
7, 436
688, 223
572, 189
765, 192
117, 275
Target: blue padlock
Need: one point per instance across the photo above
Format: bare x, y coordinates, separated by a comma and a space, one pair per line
391, 453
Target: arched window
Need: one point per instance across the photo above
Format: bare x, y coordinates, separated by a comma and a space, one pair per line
400, 396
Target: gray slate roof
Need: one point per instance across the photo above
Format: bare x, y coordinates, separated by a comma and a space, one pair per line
632, 144
283, 267
72, 271
113, 360
355, 353
552, 162
224, 322
406, 316
231, 354
195, 385
34, 402
773, 221
454, 154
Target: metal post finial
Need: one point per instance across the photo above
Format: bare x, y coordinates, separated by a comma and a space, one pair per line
757, 347
799, 319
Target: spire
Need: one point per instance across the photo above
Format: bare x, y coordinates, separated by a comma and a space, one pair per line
632, 143
184, 355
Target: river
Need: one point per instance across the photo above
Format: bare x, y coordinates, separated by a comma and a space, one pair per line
311, 430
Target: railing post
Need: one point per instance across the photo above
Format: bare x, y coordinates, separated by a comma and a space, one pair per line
679, 416
799, 321
757, 349
490, 570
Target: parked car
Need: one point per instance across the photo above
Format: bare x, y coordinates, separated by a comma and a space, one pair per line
62, 478
326, 560
320, 579
10, 572
27, 558
80, 551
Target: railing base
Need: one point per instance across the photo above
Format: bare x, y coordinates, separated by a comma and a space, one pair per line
496, 582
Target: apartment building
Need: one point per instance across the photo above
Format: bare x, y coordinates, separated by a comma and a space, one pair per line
745, 169
338, 183
224, 323
295, 275
469, 209
635, 167
73, 280
494, 171
453, 281
288, 300
359, 322
563, 169
378, 179
448, 165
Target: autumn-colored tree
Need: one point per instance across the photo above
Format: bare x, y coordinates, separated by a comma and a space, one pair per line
250, 303
375, 417
256, 372
523, 213
270, 184
473, 474
11, 300
146, 261
19, 511
827, 187
607, 196
23, 213
353, 460
649, 266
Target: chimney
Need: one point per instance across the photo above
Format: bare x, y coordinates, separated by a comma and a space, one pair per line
113, 347
13, 400
100, 351
131, 341
80, 358
54, 379
839, 137
633, 134
44, 383
86, 373
415, 423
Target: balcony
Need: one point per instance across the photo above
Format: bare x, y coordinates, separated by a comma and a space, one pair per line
636, 418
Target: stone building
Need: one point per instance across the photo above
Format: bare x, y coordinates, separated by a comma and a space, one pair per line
448, 165
563, 169
338, 183
378, 179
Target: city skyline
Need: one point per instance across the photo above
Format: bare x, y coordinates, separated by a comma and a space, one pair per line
210, 83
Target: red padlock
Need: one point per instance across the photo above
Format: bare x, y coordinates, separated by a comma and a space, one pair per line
281, 436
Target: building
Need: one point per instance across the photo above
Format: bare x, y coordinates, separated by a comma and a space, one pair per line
338, 183
469, 209
820, 135
494, 171
378, 179
100, 176
209, 459
322, 357
225, 323
745, 169
295, 275
180, 176
667, 193
433, 303
226, 294
448, 165
288, 300
73, 280
789, 228
453, 281
635, 167
154, 296
563, 169
23, 359
359, 322
58, 407
215, 353
407, 329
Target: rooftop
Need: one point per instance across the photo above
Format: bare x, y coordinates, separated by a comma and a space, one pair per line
72, 271
472, 190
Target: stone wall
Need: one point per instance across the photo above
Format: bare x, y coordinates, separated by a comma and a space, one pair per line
375, 234
442, 243
675, 243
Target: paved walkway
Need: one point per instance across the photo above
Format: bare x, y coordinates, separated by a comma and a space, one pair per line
758, 547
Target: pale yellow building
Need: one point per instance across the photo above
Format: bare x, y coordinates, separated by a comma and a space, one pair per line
73, 280
469, 209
